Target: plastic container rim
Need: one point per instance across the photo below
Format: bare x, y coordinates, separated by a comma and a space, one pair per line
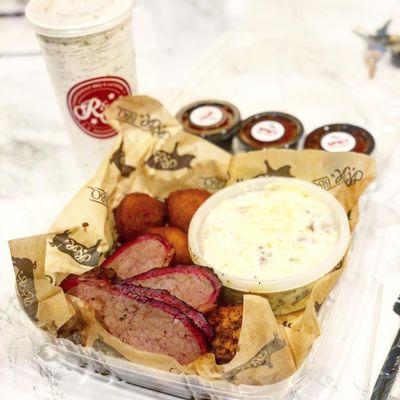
279, 284
77, 30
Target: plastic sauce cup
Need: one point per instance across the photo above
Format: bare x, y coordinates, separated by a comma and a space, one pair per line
89, 54
285, 294
214, 120
270, 129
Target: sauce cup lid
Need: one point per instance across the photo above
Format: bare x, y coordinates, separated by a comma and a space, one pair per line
65, 18
340, 137
211, 119
279, 284
270, 129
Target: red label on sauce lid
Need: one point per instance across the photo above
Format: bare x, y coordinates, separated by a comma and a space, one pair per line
206, 116
267, 131
338, 141
87, 101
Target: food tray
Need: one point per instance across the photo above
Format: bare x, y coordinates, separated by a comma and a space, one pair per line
347, 318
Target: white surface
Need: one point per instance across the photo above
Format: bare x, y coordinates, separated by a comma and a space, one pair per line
308, 42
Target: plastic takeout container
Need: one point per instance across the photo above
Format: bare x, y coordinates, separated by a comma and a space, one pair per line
285, 294
348, 324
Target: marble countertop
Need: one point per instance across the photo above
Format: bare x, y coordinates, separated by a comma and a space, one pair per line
185, 50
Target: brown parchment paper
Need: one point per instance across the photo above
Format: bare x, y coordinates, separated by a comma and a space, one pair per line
153, 155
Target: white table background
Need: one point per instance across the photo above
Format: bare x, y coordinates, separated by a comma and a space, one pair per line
38, 172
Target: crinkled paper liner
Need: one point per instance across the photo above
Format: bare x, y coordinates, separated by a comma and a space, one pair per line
153, 155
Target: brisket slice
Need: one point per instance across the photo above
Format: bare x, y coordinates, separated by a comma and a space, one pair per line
139, 255
95, 273
157, 294
140, 321
163, 295
195, 285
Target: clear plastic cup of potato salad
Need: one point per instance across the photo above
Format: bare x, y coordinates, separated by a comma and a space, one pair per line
270, 236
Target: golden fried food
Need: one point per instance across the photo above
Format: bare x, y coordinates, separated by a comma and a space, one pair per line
227, 322
179, 241
182, 204
136, 213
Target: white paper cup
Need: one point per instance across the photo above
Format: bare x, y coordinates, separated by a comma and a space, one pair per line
286, 294
89, 54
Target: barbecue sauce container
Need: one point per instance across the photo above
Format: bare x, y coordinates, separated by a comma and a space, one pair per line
213, 120
340, 138
266, 130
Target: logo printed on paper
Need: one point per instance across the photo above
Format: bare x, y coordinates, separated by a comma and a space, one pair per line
118, 158
284, 171
206, 116
127, 116
170, 161
88, 256
338, 141
25, 285
262, 358
317, 306
87, 101
213, 182
267, 131
348, 175
98, 195
152, 124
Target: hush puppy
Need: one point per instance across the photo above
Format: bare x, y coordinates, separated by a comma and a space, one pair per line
227, 323
182, 204
179, 242
136, 213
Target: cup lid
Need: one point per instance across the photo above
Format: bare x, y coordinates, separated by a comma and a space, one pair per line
66, 18
210, 119
270, 129
340, 138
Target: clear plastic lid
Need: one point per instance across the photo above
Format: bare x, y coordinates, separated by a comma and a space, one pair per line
66, 18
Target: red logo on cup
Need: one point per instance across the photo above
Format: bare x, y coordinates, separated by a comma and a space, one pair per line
87, 101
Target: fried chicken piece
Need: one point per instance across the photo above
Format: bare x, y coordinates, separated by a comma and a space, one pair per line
182, 204
179, 241
227, 322
136, 213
